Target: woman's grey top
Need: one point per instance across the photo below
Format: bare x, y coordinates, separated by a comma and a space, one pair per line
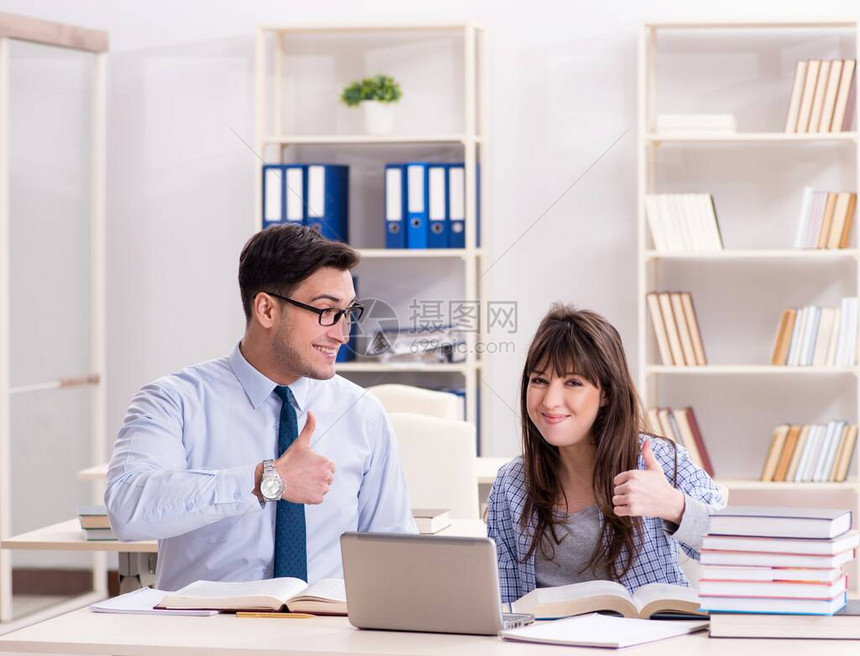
582, 531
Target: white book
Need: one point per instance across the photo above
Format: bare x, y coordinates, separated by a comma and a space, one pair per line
816, 218
795, 546
767, 606
815, 454
810, 332
673, 229
800, 354
845, 354
602, 631
712, 222
796, 93
796, 337
780, 522
764, 559
843, 332
831, 450
803, 221
834, 337
808, 447
693, 219
773, 589
822, 340
851, 337
682, 218
818, 472
818, 98
656, 224
753, 573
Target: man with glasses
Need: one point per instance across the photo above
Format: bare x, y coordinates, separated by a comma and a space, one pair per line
252, 465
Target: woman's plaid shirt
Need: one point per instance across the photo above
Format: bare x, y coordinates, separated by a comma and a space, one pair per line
657, 561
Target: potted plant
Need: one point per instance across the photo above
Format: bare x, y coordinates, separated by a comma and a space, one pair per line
376, 95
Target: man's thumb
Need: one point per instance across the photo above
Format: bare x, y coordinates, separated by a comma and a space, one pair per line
649, 458
304, 438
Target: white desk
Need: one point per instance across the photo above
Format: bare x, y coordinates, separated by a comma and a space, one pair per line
84, 632
68, 536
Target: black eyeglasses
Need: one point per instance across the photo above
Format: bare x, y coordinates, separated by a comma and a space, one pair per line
327, 316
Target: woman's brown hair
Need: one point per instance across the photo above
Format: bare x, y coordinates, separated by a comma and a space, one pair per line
583, 342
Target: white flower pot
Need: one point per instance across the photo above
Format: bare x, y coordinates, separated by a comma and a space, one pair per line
378, 117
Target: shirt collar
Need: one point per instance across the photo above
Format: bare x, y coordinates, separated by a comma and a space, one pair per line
259, 387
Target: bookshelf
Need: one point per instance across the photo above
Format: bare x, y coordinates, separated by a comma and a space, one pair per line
443, 116
759, 172
61, 371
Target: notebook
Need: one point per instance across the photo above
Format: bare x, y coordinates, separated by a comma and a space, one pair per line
603, 631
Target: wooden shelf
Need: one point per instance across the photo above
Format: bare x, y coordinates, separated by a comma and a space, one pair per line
754, 484
368, 27
823, 255
367, 139
744, 370
393, 253
751, 137
736, 25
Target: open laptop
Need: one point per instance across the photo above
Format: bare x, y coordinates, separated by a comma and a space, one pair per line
424, 583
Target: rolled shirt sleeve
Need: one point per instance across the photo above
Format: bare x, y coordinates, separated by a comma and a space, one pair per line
149, 492
693, 526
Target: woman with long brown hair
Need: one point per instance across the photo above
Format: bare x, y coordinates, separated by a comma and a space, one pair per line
593, 496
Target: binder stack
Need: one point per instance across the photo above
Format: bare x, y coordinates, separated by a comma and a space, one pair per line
315, 195
425, 205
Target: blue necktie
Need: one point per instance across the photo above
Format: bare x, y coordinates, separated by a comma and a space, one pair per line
291, 558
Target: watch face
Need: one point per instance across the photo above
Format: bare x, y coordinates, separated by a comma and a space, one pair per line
271, 487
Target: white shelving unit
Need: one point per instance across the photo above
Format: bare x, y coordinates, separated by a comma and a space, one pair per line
654, 268
15, 28
275, 142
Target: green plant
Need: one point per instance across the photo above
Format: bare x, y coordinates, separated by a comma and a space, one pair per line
380, 87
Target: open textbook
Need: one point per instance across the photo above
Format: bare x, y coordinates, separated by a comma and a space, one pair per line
596, 596
325, 597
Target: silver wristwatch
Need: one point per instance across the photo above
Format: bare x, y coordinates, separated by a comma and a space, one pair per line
271, 485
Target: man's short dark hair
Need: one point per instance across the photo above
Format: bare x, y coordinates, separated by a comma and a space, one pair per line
280, 257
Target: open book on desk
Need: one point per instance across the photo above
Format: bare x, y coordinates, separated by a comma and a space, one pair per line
325, 597
594, 596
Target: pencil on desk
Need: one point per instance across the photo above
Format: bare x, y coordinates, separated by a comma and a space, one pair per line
295, 616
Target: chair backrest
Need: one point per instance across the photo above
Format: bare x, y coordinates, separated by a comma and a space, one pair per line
417, 400
438, 458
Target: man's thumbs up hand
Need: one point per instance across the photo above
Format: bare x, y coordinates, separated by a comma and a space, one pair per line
646, 492
307, 475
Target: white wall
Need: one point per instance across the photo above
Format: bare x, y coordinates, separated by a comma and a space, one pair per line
180, 181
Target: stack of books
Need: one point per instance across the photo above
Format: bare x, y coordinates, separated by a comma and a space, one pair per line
812, 453
95, 523
822, 96
431, 520
683, 223
680, 425
814, 336
826, 218
782, 561
676, 328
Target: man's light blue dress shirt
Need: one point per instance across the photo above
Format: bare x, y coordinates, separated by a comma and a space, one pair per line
182, 471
